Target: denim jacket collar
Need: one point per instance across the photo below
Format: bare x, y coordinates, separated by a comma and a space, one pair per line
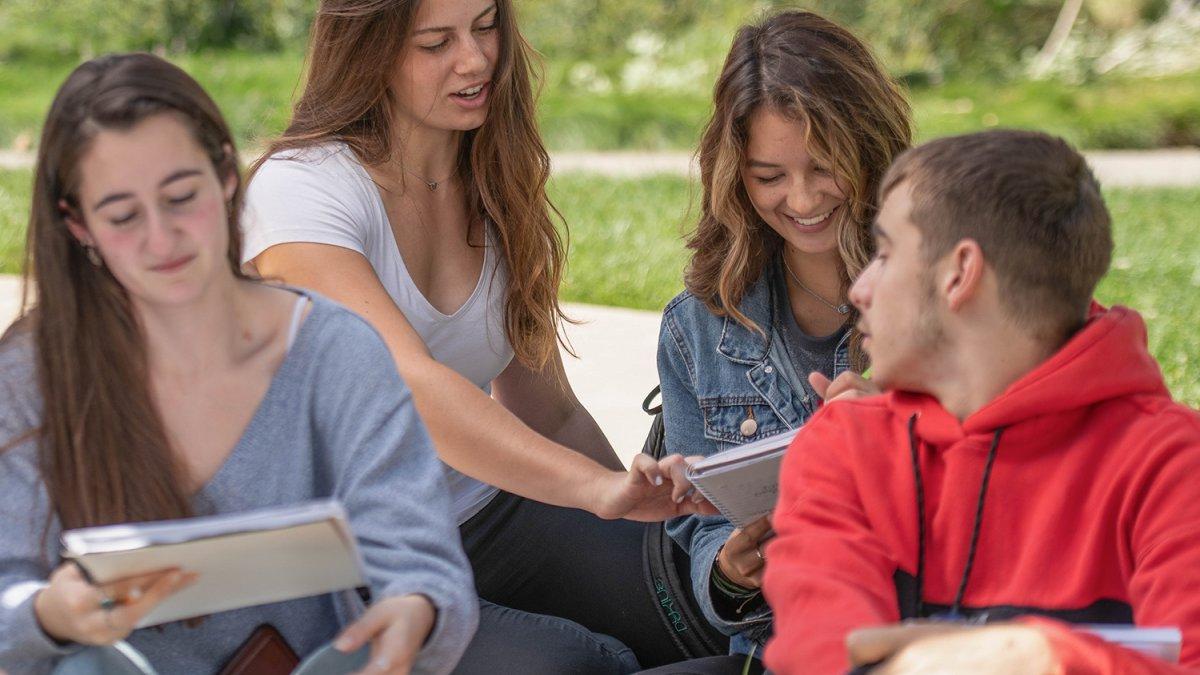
740, 344
743, 345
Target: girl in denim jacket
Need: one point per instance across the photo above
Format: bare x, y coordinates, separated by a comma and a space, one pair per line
805, 123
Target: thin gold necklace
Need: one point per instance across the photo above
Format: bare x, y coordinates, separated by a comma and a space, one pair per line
842, 309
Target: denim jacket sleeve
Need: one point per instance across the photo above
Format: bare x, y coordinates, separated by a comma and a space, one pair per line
701, 536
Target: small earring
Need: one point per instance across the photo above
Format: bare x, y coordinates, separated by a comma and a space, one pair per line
92, 255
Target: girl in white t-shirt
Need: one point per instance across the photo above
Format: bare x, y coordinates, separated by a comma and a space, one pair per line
410, 186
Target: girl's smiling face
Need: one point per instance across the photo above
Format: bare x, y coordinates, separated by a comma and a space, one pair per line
793, 194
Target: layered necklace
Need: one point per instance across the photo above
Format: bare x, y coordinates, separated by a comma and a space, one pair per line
842, 309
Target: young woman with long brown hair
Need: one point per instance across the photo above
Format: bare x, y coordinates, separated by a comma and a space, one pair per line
410, 185
151, 380
805, 123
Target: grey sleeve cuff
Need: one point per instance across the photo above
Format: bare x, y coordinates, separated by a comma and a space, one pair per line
24, 646
457, 616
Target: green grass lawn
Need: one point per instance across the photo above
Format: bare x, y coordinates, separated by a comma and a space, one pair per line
626, 249
255, 91
15, 188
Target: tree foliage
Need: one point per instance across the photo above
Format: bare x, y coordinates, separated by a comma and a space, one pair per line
74, 29
923, 38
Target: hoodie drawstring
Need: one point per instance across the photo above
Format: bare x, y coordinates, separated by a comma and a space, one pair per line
955, 609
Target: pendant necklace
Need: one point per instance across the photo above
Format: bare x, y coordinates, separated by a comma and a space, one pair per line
842, 309
431, 184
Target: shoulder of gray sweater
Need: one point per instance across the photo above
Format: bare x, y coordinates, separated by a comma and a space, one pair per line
20, 398
345, 333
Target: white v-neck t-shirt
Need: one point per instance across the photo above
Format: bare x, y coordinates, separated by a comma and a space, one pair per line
323, 195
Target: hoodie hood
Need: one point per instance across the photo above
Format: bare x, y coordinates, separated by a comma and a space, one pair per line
1108, 358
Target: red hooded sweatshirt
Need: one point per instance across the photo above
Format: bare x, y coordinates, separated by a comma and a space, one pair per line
1090, 513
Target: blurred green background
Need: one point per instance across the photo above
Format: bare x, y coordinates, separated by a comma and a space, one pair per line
637, 75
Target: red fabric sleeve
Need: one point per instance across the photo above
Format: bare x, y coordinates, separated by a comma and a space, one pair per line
1161, 529
1079, 653
828, 574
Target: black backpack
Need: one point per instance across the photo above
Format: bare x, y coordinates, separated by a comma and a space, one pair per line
667, 571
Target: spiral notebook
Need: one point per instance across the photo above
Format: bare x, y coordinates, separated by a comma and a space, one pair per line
743, 482
242, 559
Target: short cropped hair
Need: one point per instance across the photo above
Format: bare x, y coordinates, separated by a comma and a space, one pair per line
1031, 203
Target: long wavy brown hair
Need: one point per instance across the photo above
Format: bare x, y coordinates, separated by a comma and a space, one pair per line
855, 121
104, 453
355, 47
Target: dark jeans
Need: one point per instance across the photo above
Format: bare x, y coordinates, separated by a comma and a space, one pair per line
554, 583
734, 664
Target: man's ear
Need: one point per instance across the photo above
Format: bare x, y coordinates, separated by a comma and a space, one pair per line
962, 273
74, 223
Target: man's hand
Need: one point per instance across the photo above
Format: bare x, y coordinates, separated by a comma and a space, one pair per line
650, 491
848, 385
741, 559
396, 628
1000, 649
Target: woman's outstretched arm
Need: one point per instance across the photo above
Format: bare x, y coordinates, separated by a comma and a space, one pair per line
545, 402
473, 432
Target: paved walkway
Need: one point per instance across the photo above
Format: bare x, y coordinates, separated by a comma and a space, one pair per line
10, 298
1173, 167
614, 371
1124, 168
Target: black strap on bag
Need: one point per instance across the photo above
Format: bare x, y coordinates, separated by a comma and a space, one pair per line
667, 570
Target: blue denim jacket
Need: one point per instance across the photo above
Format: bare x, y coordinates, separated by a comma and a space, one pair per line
714, 373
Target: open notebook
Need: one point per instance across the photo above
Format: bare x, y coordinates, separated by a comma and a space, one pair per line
1165, 643
242, 559
872, 645
743, 482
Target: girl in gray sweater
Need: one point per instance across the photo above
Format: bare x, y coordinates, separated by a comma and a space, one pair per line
152, 380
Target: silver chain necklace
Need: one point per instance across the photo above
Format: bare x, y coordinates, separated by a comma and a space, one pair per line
431, 184
842, 309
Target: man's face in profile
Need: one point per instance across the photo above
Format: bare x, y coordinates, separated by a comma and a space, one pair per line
897, 299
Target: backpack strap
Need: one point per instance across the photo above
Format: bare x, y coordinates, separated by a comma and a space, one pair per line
667, 569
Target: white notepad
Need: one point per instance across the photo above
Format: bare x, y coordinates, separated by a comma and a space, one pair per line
875, 643
1164, 643
743, 482
244, 559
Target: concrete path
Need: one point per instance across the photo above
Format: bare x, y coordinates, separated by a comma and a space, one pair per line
1114, 168
616, 368
13, 159
614, 371
1124, 168
10, 298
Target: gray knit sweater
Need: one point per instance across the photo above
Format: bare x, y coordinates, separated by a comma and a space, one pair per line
336, 422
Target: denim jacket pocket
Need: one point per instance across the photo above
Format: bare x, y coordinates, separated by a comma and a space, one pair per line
734, 420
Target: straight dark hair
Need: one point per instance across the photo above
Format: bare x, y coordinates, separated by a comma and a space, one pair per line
104, 453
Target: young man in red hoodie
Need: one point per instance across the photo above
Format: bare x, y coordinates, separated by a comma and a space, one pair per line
1027, 458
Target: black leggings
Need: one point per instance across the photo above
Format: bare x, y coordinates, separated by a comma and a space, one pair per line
549, 560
